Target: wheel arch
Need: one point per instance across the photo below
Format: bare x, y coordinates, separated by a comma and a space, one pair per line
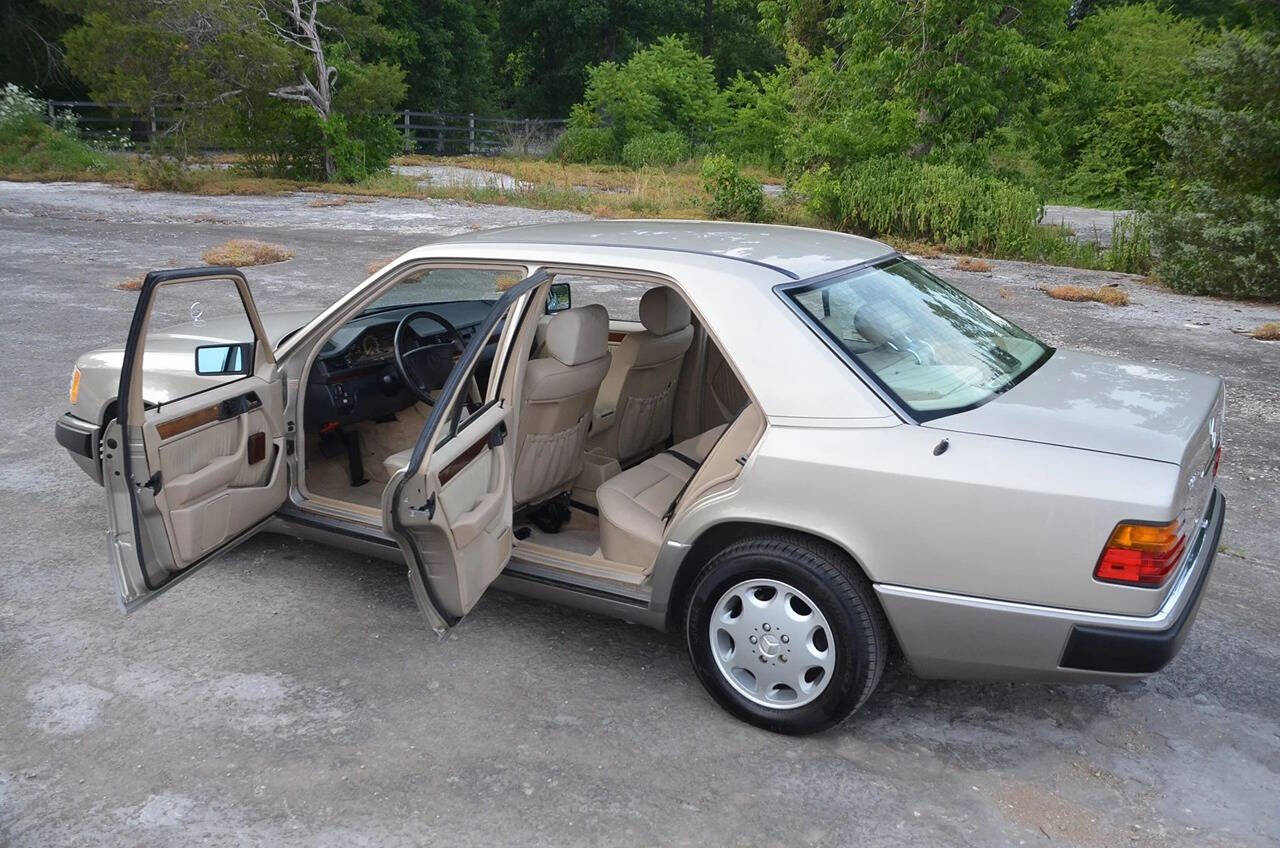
716, 537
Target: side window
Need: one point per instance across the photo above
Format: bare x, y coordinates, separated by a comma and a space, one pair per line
198, 337
620, 297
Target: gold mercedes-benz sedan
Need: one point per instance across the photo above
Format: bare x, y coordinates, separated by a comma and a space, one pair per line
797, 447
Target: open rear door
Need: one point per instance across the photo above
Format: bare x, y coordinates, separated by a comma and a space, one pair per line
451, 507
194, 461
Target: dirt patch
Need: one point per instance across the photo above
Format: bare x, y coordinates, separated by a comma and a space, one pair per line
245, 252
376, 265
1110, 295
969, 263
133, 283
1268, 332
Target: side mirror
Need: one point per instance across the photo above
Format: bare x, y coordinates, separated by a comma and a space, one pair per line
558, 299
224, 359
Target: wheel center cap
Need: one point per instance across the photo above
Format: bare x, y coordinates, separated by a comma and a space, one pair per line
770, 646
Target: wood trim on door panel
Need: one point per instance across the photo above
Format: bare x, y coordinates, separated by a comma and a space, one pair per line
190, 421
462, 461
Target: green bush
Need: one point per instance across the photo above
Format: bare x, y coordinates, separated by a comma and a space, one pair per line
30, 147
941, 204
282, 140
1217, 227
587, 145
732, 196
759, 120
665, 87
1102, 129
659, 149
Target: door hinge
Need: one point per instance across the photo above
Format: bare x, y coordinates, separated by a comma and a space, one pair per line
155, 484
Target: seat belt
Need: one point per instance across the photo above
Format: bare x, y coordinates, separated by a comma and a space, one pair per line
689, 461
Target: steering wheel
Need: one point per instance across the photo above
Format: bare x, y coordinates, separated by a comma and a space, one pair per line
425, 367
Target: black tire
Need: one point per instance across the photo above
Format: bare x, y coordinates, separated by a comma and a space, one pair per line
843, 595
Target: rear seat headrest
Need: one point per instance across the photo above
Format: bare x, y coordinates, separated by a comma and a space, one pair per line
663, 311
579, 335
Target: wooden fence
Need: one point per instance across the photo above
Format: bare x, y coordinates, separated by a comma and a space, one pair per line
437, 133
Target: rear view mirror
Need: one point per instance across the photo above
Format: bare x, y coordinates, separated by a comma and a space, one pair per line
224, 359
558, 299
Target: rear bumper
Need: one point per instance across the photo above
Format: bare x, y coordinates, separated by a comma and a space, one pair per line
955, 636
81, 439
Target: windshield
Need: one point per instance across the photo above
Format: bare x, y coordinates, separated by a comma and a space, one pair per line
933, 348
445, 285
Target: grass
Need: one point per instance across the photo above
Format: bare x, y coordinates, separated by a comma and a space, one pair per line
133, 283
969, 263
376, 265
1110, 295
243, 253
1268, 332
38, 153
28, 145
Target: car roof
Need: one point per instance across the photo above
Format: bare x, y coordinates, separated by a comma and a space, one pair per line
793, 252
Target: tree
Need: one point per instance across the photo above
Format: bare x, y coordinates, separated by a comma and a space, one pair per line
1217, 227
31, 53
928, 78
445, 49
218, 65
1106, 115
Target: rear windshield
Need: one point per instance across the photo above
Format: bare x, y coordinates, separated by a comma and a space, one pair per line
931, 347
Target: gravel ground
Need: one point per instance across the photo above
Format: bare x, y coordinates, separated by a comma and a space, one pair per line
290, 695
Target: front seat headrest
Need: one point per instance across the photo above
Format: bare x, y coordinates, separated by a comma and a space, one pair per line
879, 323
663, 311
579, 335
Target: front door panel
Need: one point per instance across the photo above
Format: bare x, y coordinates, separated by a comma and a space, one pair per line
199, 465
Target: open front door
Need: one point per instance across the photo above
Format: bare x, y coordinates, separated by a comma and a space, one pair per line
194, 461
451, 508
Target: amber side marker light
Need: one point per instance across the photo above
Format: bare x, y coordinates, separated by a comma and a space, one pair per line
1141, 554
75, 386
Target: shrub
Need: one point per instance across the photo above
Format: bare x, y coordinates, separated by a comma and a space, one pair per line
283, 140
245, 252
1112, 106
759, 119
732, 196
1268, 332
1217, 230
898, 197
587, 145
665, 87
30, 147
1110, 295
657, 149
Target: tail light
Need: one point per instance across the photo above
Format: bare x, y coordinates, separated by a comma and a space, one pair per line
1141, 554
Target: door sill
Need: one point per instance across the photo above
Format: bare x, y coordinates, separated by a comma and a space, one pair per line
570, 581
580, 566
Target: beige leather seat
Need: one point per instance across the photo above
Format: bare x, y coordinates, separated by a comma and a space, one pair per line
637, 398
559, 396
633, 504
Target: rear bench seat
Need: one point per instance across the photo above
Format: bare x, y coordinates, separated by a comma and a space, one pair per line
632, 504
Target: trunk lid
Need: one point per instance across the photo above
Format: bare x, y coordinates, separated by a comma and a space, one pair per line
1098, 403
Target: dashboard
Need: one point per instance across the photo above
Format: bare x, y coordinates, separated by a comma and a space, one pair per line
354, 377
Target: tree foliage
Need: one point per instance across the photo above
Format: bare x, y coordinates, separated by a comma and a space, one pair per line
921, 77
1217, 229
663, 88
